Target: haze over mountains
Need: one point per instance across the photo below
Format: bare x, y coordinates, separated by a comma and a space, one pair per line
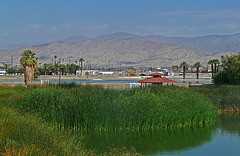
124, 49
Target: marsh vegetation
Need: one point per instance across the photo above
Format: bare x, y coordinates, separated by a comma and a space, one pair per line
33, 118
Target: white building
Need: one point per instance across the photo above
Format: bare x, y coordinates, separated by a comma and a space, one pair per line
2, 72
106, 73
87, 72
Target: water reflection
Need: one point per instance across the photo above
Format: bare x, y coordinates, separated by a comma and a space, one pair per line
229, 123
150, 141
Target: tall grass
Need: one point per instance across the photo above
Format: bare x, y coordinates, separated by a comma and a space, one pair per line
225, 97
91, 107
25, 134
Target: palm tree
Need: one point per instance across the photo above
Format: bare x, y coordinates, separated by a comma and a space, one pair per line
216, 62
81, 60
198, 64
184, 65
5, 66
55, 56
211, 62
52, 68
68, 66
46, 66
29, 62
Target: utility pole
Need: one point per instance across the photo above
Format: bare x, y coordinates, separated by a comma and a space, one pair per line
11, 61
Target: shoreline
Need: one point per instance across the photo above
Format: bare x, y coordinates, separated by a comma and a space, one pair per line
97, 80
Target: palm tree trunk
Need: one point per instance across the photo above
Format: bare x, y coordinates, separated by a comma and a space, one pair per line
197, 74
212, 70
215, 68
184, 73
28, 75
55, 67
81, 68
45, 70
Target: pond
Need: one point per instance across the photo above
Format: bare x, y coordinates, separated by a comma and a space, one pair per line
70, 80
222, 138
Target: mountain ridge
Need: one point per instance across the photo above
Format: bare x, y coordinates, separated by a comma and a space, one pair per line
136, 52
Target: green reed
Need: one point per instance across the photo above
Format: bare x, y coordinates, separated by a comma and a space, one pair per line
92, 107
27, 134
225, 97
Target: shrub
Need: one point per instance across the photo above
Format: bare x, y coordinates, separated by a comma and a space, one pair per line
221, 78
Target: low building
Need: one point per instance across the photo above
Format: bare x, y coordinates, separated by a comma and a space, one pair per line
2, 72
87, 72
106, 73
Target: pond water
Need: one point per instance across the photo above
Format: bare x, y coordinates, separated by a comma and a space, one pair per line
222, 138
70, 80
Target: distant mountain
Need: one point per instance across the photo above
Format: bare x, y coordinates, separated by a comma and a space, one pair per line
119, 51
122, 35
74, 39
15, 46
210, 44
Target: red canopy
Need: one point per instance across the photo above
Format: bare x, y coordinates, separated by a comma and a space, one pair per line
156, 80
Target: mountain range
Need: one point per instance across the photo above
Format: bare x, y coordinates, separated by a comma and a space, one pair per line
124, 49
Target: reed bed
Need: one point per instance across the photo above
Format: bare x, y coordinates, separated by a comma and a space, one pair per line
92, 107
25, 134
225, 97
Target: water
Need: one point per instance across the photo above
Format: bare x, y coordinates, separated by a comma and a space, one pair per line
223, 138
69, 80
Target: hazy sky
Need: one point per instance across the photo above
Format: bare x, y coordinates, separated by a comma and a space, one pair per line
27, 21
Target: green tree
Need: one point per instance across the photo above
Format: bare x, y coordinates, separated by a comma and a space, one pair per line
29, 62
184, 65
73, 68
197, 65
63, 68
216, 62
68, 67
36, 73
211, 62
81, 61
55, 57
231, 65
12, 70
42, 71
20, 70
52, 68
5, 66
45, 65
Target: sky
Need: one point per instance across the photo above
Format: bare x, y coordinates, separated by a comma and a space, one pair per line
33, 21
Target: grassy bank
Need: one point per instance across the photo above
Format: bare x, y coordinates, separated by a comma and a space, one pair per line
91, 107
25, 134
225, 97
